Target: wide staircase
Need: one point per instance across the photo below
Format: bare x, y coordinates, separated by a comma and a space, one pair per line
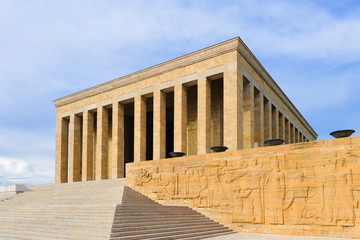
138, 217
98, 210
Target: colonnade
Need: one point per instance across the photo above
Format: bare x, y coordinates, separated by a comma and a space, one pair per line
247, 117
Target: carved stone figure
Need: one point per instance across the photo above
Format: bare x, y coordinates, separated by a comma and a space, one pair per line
298, 194
203, 197
274, 193
344, 203
248, 188
142, 176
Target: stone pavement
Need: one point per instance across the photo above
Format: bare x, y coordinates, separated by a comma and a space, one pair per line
258, 236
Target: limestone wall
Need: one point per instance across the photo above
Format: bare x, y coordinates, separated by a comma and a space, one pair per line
303, 189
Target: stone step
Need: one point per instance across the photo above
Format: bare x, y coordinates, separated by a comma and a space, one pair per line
58, 214
67, 231
161, 226
167, 228
171, 234
155, 223
82, 225
70, 220
48, 235
155, 214
57, 223
57, 217
150, 219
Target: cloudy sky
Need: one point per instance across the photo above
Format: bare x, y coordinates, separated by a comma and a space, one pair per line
49, 49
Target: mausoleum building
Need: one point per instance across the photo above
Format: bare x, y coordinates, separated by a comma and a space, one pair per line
220, 95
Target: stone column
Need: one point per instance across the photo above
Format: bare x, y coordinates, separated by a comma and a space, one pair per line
281, 126
275, 123
267, 120
292, 134
297, 135
233, 108
259, 119
159, 125
102, 143
75, 149
140, 129
204, 115
180, 118
61, 151
248, 116
88, 147
117, 148
287, 132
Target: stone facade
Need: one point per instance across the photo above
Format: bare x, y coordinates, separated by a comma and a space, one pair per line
220, 95
310, 188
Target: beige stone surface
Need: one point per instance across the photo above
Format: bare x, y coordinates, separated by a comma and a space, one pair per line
61, 150
233, 108
140, 129
204, 116
101, 168
180, 118
159, 125
117, 154
88, 147
75, 149
298, 189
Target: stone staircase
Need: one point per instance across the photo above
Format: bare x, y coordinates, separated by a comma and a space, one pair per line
82, 210
97, 210
138, 217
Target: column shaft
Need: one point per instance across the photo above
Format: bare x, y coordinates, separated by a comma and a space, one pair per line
275, 123
117, 147
75, 149
287, 131
297, 135
102, 143
281, 126
248, 116
159, 142
204, 115
259, 119
267, 120
292, 134
180, 118
140, 129
61, 151
88, 147
233, 105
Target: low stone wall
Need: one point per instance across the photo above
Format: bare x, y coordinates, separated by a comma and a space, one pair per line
302, 189
12, 189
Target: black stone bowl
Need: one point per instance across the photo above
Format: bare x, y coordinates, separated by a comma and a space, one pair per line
273, 142
342, 133
177, 154
219, 148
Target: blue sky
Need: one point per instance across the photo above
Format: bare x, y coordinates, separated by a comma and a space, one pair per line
50, 49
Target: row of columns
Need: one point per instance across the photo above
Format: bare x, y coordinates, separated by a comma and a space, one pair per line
248, 118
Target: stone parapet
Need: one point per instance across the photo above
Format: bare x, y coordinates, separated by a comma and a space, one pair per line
310, 188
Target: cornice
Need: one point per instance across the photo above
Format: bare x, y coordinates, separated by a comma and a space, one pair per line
185, 60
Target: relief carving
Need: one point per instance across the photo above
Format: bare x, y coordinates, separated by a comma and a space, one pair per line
275, 193
250, 191
339, 201
249, 194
